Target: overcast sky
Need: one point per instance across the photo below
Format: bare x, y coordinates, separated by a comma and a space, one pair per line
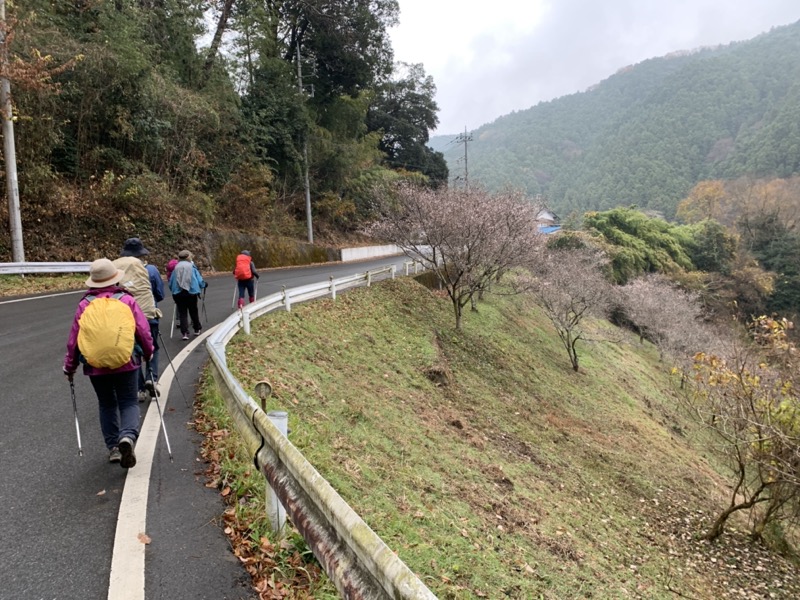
489, 58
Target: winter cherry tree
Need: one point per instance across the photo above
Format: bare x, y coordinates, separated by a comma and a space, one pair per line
468, 238
665, 315
569, 285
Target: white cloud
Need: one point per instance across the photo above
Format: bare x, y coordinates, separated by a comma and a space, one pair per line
491, 58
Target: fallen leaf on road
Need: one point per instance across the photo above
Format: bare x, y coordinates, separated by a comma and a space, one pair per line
144, 538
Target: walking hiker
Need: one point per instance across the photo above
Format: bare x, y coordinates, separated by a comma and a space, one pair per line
245, 274
171, 266
143, 281
169, 269
186, 284
110, 335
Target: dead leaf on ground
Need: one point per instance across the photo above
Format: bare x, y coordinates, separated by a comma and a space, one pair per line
144, 538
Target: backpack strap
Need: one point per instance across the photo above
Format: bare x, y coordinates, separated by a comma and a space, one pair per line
89, 296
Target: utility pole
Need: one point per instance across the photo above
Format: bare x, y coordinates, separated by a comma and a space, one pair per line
9, 151
305, 154
465, 138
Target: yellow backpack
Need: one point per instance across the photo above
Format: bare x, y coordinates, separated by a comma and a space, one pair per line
107, 332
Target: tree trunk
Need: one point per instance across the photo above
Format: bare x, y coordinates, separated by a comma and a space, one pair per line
573, 355
718, 527
222, 24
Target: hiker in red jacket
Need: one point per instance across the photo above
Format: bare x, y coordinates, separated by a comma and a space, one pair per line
245, 273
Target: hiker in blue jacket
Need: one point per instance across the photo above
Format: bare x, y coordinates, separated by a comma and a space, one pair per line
186, 284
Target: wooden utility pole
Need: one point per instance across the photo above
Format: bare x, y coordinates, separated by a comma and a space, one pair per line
9, 150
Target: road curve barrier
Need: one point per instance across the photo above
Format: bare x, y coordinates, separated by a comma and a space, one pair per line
27, 268
358, 562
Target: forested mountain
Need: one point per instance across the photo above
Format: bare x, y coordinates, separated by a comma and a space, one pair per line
647, 134
127, 125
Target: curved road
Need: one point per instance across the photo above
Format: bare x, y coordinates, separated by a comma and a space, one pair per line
60, 520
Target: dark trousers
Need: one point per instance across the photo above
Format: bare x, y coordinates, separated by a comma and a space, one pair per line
119, 406
249, 285
187, 303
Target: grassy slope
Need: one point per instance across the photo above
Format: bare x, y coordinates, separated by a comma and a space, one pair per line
490, 466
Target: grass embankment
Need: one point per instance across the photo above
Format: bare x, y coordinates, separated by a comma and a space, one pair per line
486, 463
18, 285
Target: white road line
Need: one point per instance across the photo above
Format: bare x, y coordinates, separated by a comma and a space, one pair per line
127, 562
40, 297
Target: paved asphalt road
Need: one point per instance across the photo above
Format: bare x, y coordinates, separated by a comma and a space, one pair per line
59, 511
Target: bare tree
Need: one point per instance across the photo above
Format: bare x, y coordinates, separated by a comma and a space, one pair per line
666, 315
469, 239
748, 401
569, 285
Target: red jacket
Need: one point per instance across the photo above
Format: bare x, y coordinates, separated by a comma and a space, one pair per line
143, 336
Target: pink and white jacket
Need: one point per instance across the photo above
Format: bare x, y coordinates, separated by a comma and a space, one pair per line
143, 336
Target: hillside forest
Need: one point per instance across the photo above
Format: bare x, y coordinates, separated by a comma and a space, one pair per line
649, 133
168, 119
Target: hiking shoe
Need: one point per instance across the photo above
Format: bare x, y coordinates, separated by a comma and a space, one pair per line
128, 457
149, 390
185, 337
115, 455
143, 396
198, 331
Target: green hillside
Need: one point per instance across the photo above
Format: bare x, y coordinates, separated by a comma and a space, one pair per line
486, 463
650, 132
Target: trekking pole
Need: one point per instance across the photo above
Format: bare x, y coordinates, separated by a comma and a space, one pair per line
235, 290
255, 291
154, 395
172, 327
75, 412
169, 358
203, 298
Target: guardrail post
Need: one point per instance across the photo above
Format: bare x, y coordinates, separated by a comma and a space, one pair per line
369, 278
245, 322
275, 510
333, 288
405, 266
287, 303
394, 271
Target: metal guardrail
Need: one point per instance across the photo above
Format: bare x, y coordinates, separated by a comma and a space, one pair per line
27, 268
358, 562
